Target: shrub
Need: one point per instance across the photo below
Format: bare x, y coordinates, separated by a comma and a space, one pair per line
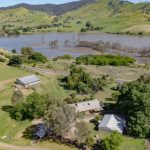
103, 60
38, 57
15, 61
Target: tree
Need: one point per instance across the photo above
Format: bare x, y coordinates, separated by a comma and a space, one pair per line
82, 133
33, 108
14, 51
26, 51
17, 97
59, 117
83, 82
38, 57
112, 142
133, 102
15, 61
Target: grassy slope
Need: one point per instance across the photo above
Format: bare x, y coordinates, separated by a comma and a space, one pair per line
131, 18
101, 15
23, 17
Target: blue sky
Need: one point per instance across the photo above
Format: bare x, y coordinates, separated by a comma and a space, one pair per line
12, 2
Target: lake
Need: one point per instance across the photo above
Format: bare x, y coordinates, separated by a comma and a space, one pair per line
41, 42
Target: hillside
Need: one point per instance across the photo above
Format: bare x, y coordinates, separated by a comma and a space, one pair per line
112, 16
22, 17
51, 8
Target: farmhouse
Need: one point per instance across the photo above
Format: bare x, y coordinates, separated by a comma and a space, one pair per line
112, 122
93, 105
28, 80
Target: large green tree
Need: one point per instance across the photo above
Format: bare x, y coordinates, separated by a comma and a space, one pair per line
111, 142
33, 107
134, 103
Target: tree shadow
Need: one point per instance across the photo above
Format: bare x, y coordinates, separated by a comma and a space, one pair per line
29, 132
9, 110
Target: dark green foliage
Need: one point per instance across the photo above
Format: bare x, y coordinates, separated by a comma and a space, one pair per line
17, 97
103, 60
83, 30
32, 108
38, 57
59, 117
67, 56
26, 51
112, 142
82, 82
15, 60
134, 103
14, 51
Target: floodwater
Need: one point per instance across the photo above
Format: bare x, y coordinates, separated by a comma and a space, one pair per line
67, 42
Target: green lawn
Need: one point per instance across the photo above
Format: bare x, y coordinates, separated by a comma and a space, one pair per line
8, 73
128, 142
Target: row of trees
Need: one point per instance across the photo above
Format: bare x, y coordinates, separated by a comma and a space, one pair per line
105, 60
103, 46
134, 103
83, 82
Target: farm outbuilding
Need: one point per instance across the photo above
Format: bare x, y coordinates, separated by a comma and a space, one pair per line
93, 105
111, 122
28, 81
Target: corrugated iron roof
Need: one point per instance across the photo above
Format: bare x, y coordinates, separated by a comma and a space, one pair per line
29, 79
112, 122
87, 106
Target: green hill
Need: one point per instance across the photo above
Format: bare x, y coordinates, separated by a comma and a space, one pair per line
21, 17
112, 16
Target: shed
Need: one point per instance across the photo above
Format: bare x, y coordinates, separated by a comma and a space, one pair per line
111, 122
41, 131
28, 81
93, 105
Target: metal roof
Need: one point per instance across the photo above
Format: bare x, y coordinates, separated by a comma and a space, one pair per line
29, 79
87, 106
112, 122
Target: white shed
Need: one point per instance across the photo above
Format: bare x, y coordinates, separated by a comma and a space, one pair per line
28, 80
111, 122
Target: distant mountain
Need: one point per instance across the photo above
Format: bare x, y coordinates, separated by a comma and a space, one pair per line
52, 8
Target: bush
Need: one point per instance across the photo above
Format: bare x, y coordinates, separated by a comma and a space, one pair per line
83, 30
38, 57
67, 56
83, 82
15, 61
2, 59
111, 142
103, 60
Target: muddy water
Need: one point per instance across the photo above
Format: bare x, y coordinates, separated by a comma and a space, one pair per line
41, 43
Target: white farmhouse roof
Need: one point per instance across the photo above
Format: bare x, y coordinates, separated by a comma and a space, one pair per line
29, 80
87, 106
112, 122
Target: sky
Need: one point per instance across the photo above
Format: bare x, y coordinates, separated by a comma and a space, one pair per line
4, 3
